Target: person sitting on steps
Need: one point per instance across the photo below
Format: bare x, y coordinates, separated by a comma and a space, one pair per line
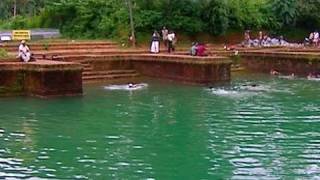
193, 50
25, 54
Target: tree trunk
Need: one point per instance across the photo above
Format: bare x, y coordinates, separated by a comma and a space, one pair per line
15, 8
133, 37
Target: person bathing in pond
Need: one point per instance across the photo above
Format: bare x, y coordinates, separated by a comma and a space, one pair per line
274, 72
313, 76
131, 85
24, 52
155, 43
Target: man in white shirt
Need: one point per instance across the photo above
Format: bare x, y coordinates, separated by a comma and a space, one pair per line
165, 36
24, 52
171, 41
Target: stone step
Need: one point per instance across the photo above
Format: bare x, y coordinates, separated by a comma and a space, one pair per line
54, 44
87, 69
79, 52
73, 55
85, 65
110, 72
109, 77
71, 48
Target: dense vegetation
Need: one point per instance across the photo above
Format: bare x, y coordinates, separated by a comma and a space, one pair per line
109, 18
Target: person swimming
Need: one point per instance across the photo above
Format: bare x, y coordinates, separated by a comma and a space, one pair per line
274, 72
313, 76
131, 85
136, 86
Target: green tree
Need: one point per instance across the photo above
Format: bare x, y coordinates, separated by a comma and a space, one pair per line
285, 12
216, 15
308, 14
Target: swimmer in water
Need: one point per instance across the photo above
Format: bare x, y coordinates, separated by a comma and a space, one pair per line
253, 87
131, 85
250, 85
274, 72
311, 76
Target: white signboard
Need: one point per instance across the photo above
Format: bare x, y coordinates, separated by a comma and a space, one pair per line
5, 38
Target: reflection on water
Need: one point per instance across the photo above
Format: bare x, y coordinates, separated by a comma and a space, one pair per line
258, 127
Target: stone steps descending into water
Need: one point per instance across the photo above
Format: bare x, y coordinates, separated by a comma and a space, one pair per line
43, 46
89, 75
109, 75
110, 72
63, 48
87, 67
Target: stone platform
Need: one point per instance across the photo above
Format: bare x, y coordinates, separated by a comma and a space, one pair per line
180, 68
41, 78
298, 62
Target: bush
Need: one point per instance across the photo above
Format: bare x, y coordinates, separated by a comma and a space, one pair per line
3, 53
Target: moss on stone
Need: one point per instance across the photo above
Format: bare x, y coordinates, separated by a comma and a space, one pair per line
3, 54
236, 59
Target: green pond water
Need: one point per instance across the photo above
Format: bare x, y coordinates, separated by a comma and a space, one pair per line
167, 131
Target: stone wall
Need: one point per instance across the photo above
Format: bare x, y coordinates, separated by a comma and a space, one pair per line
285, 63
194, 71
42, 79
187, 69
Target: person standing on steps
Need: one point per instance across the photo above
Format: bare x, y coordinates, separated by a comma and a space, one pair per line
165, 36
316, 38
155, 43
260, 38
171, 41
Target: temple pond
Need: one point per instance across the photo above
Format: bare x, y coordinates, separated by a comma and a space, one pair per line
167, 131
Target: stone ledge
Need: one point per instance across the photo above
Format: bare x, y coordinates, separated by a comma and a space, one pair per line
156, 57
41, 79
282, 55
41, 65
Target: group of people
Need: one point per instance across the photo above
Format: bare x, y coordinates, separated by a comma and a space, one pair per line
198, 49
311, 76
263, 40
169, 40
313, 39
314, 75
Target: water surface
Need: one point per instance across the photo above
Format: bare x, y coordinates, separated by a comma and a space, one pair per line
258, 127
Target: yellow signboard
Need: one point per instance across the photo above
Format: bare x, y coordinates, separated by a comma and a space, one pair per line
21, 35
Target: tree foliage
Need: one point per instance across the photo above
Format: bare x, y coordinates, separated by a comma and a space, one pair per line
285, 12
109, 18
